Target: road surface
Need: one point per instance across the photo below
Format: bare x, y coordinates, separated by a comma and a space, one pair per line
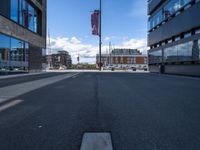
140, 111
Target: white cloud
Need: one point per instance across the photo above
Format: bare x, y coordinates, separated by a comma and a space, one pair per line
140, 44
75, 47
109, 38
87, 52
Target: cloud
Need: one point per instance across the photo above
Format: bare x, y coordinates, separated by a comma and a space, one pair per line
109, 38
75, 47
140, 44
87, 52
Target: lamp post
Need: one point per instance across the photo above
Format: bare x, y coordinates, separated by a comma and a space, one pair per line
100, 41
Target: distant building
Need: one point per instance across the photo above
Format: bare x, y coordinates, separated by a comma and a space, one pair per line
174, 36
60, 60
123, 58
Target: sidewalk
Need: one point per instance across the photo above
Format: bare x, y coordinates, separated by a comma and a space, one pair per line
22, 88
21, 75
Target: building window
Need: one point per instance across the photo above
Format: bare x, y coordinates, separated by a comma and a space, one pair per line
14, 14
13, 53
170, 54
181, 52
17, 50
155, 56
155, 20
25, 14
177, 38
171, 8
187, 35
4, 50
169, 41
197, 31
185, 51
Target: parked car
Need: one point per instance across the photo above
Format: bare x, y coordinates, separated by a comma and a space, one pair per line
134, 69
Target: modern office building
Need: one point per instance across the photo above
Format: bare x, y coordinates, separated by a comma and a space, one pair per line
22, 34
123, 58
174, 36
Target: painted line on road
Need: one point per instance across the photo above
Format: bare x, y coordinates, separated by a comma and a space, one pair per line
10, 104
96, 141
74, 76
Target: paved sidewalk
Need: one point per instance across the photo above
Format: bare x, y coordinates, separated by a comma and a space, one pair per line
20, 75
19, 89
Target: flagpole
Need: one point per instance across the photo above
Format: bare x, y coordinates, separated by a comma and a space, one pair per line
100, 41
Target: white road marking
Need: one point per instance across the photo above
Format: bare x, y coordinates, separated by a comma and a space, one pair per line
96, 141
75, 76
10, 104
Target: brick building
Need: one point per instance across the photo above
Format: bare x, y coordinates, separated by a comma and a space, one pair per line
22, 34
123, 58
60, 60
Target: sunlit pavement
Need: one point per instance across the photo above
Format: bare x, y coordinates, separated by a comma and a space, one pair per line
139, 110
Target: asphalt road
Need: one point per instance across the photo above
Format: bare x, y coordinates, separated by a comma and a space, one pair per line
141, 111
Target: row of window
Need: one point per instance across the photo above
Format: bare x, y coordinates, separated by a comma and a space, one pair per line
176, 38
189, 51
172, 7
25, 14
13, 53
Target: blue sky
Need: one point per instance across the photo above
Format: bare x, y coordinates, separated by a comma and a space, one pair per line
124, 23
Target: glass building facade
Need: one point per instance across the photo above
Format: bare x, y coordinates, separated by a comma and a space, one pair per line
13, 53
174, 35
23, 13
22, 35
164, 13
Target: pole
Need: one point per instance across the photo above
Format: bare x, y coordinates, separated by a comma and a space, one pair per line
100, 43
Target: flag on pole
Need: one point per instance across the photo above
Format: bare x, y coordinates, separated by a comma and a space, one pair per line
95, 22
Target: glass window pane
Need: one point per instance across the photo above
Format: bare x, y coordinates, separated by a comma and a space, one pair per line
17, 50
185, 51
31, 17
14, 10
170, 54
23, 13
4, 47
155, 56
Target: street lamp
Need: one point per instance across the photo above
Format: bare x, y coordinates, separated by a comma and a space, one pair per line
100, 41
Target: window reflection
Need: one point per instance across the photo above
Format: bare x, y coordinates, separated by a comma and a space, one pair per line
13, 53
15, 8
25, 14
182, 52
4, 47
155, 56
17, 49
168, 10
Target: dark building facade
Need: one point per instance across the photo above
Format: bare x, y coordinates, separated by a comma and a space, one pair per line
22, 34
174, 36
